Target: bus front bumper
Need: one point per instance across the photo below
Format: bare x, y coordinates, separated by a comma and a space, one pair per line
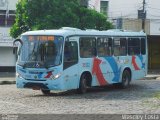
37, 85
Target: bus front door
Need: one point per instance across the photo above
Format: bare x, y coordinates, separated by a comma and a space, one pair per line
70, 64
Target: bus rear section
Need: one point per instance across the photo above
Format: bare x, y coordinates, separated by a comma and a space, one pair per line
116, 59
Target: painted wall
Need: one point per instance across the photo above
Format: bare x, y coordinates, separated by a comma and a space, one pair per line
4, 34
8, 58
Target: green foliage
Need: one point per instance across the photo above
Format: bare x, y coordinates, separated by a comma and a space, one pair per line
54, 14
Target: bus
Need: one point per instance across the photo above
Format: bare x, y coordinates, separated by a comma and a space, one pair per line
71, 58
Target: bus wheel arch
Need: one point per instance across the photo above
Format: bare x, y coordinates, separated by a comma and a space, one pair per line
85, 82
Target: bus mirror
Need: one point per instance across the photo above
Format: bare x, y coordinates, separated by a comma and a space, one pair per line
14, 50
16, 44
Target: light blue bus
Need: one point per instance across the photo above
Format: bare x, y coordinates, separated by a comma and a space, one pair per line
70, 58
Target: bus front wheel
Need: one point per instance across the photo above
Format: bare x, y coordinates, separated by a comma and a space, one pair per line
126, 79
46, 92
83, 84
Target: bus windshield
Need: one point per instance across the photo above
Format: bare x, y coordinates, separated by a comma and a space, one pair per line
41, 51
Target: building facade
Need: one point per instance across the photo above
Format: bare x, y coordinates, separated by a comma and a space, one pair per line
124, 15
7, 17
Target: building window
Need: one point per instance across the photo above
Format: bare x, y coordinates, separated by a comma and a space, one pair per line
104, 7
7, 19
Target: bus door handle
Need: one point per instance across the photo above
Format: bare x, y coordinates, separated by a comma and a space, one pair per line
75, 75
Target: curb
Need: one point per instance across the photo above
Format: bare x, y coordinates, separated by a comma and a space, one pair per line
152, 77
7, 82
158, 78
149, 78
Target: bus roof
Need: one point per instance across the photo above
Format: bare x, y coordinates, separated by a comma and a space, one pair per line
68, 31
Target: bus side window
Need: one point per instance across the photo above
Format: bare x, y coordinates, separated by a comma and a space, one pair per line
87, 47
120, 46
70, 53
110, 46
104, 46
133, 46
116, 46
143, 46
123, 46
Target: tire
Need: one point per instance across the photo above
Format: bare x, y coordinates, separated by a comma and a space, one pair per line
46, 92
126, 79
83, 84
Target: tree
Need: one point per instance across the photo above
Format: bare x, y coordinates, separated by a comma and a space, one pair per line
54, 14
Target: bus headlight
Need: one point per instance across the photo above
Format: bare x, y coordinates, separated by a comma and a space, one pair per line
18, 75
56, 76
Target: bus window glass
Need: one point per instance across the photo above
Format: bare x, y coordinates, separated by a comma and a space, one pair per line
143, 46
133, 46
120, 46
45, 51
70, 51
104, 46
70, 54
87, 47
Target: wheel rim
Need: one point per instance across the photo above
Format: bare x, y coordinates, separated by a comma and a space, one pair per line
126, 79
84, 85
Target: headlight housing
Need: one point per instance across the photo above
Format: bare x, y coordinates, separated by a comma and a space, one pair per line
19, 75
53, 77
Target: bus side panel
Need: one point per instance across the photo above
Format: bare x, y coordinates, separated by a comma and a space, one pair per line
71, 77
139, 66
102, 70
110, 69
86, 65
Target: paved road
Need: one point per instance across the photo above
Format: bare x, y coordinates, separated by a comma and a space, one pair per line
142, 97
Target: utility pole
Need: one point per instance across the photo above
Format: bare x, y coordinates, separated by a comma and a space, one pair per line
144, 15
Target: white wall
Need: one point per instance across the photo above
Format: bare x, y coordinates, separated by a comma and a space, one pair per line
128, 8
155, 27
124, 8
7, 57
11, 4
4, 34
118, 8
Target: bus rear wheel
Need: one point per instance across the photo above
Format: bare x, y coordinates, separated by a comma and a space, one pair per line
126, 79
46, 92
83, 84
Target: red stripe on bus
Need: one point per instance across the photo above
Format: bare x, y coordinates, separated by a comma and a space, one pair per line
97, 71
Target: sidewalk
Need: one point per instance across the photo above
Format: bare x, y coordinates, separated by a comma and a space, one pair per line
9, 78
153, 74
